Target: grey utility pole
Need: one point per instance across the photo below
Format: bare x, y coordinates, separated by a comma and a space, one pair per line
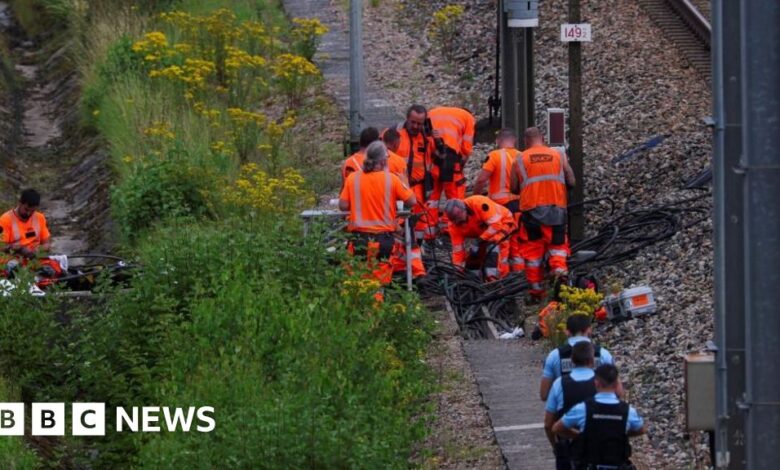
760, 38
355, 71
729, 239
577, 215
517, 39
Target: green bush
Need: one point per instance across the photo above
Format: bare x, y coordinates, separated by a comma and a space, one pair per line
303, 368
160, 189
314, 380
12, 450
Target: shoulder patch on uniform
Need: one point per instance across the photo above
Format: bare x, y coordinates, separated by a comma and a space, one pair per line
485, 207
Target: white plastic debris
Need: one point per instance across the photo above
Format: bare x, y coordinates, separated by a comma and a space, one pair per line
7, 287
514, 334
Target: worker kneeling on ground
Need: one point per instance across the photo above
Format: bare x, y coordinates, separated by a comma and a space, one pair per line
559, 362
542, 174
25, 235
453, 135
479, 217
370, 196
602, 426
496, 176
567, 391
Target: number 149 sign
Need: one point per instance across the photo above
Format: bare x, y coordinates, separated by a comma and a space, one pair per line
575, 32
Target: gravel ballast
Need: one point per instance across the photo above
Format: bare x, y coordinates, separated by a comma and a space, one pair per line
636, 85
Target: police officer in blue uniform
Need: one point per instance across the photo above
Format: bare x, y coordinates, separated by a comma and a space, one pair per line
602, 426
567, 391
558, 362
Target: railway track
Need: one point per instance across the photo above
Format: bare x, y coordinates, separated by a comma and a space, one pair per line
690, 31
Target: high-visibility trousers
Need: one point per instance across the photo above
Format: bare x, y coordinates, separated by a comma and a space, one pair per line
455, 189
377, 250
424, 229
516, 260
35, 265
534, 252
496, 261
398, 259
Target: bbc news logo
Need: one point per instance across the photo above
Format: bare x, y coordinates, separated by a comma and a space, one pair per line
89, 419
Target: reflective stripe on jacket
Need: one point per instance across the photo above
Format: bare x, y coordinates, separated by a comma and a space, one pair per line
543, 181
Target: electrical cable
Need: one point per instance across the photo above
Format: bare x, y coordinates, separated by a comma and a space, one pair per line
620, 238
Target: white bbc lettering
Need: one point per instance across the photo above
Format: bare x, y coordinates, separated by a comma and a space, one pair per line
179, 418
150, 417
205, 415
11, 419
89, 419
123, 418
48, 419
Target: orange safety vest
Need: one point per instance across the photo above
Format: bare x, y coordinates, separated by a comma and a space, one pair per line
417, 153
456, 126
396, 164
30, 234
353, 163
499, 163
372, 200
487, 221
544, 183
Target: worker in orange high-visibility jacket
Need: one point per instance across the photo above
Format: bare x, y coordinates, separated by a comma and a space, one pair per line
416, 147
397, 165
355, 161
453, 133
370, 196
25, 237
478, 217
496, 176
23, 230
542, 174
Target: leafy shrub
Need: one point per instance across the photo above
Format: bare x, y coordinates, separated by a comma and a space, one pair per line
255, 190
574, 301
444, 26
294, 74
218, 319
160, 189
306, 33
12, 449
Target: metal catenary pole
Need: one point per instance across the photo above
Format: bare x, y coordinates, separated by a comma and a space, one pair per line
760, 58
517, 74
355, 72
728, 218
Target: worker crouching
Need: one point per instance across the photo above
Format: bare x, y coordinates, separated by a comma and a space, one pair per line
370, 196
542, 175
25, 238
453, 135
478, 217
